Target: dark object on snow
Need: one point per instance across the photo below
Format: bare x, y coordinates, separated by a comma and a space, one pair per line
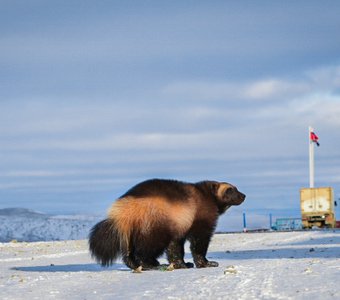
160, 215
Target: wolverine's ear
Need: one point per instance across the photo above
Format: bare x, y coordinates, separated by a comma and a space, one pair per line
210, 185
214, 187
222, 188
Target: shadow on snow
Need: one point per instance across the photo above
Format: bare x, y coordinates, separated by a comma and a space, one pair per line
72, 268
275, 253
279, 253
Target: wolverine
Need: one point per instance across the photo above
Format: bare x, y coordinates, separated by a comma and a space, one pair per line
159, 215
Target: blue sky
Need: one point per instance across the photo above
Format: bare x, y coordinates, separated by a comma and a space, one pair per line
99, 95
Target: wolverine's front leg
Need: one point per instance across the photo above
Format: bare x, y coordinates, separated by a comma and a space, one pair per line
175, 254
199, 246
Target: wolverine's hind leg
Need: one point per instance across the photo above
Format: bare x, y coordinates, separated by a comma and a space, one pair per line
131, 261
148, 258
144, 254
175, 254
149, 263
146, 263
134, 262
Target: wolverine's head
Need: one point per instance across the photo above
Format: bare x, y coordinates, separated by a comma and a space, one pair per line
226, 195
229, 194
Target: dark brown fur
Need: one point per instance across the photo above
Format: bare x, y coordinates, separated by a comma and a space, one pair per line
160, 215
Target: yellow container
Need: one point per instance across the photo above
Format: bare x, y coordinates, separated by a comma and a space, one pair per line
317, 207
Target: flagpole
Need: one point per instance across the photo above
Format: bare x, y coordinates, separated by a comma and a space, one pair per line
311, 158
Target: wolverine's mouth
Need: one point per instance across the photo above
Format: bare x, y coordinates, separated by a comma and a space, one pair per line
240, 199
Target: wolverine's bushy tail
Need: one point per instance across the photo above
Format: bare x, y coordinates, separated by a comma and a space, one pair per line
104, 242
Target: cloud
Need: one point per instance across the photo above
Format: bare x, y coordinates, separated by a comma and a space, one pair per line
326, 77
260, 90
323, 109
322, 80
312, 99
254, 114
274, 89
200, 90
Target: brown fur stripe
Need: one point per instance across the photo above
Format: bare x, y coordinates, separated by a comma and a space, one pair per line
145, 213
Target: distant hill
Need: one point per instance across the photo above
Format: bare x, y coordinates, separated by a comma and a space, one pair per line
23, 224
20, 212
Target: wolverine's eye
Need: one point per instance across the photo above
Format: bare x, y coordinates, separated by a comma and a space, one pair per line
229, 191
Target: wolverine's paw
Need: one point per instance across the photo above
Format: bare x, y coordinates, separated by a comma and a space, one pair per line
212, 264
152, 267
183, 265
164, 267
207, 264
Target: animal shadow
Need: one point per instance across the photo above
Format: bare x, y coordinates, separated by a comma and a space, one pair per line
72, 268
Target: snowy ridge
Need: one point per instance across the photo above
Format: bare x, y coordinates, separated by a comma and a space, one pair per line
25, 225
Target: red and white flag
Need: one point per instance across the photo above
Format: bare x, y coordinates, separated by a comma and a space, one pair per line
314, 138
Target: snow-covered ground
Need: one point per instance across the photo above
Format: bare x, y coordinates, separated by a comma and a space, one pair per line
272, 265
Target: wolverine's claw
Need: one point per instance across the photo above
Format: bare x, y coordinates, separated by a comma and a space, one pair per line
138, 270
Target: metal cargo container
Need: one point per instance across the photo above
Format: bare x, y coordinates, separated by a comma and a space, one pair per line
317, 207
287, 224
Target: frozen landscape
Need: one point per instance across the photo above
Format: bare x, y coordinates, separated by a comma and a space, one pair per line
22, 224
272, 265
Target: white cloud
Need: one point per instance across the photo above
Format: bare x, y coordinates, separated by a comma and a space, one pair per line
202, 90
267, 89
320, 108
326, 77
272, 89
319, 81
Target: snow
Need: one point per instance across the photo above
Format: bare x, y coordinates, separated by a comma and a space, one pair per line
271, 265
25, 225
